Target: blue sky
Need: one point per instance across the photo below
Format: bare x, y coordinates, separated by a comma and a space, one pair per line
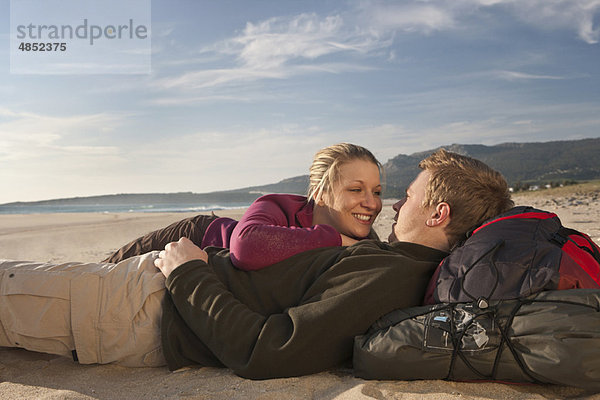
244, 92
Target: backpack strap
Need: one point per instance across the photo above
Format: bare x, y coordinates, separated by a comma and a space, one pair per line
505, 342
505, 333
490, 253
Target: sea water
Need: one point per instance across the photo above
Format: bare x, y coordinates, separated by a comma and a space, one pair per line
115, 208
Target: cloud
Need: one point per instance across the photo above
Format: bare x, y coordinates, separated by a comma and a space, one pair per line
216, 77
416, 17
287, 46
280, 41
430, 16
26, 135
240, 157
521, 123
577, 15
548, 15
282, 47
232, 77
515, 75
273, 43
45, 156
226, 159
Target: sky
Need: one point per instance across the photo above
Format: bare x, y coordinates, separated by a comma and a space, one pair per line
242, 93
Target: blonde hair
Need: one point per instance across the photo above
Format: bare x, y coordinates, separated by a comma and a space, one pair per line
474, 191
324, 171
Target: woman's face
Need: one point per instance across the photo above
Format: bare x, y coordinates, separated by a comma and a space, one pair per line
355, 198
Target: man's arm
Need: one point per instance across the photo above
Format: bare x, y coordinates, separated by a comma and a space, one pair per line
314, 335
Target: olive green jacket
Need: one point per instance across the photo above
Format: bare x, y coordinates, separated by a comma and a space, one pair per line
296, 317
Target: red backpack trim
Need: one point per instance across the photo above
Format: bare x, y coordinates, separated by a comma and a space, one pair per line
536, 215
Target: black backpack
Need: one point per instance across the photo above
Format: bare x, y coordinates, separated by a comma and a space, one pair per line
515, 255
550, 337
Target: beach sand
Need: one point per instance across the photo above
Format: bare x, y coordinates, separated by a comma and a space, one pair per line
91, 237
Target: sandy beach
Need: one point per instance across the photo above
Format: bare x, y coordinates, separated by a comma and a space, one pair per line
91, 237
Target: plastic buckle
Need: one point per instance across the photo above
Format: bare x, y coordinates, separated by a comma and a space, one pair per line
483, 303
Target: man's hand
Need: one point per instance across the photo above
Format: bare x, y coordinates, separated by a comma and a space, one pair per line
178, 253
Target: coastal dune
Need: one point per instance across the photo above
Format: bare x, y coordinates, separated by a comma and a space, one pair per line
92, 237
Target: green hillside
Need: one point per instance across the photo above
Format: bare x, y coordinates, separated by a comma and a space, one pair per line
521, 164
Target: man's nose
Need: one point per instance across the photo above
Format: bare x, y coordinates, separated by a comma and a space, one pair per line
397, 205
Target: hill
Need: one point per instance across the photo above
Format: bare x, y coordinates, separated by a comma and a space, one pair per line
521, 163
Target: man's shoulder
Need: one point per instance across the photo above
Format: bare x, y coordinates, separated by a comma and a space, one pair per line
408, 249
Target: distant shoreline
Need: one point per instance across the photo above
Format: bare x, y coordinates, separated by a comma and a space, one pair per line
118, 208
154, 203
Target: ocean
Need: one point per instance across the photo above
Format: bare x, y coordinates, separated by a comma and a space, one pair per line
115, 208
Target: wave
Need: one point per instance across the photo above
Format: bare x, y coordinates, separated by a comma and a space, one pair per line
116, 208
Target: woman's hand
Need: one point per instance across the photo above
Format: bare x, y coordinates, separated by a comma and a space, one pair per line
347, 240
178, 253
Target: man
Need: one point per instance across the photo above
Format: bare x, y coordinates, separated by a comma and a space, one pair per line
296, 317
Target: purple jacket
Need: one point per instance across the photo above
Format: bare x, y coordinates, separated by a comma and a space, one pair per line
274, 227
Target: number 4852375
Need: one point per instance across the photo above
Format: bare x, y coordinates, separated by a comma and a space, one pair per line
24, 46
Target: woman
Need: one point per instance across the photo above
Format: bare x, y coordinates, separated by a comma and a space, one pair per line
344, 198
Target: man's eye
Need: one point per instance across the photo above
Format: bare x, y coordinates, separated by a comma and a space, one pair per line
377, 193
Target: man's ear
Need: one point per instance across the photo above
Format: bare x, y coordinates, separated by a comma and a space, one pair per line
440, 215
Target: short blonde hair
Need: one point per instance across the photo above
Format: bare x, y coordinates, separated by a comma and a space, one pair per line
325, 168
474, 191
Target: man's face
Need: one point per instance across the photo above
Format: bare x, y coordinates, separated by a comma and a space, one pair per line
411, 217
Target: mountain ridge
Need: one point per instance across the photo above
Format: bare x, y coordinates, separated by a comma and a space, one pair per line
521, 163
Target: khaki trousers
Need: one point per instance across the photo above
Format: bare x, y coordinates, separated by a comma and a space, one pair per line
107, 313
